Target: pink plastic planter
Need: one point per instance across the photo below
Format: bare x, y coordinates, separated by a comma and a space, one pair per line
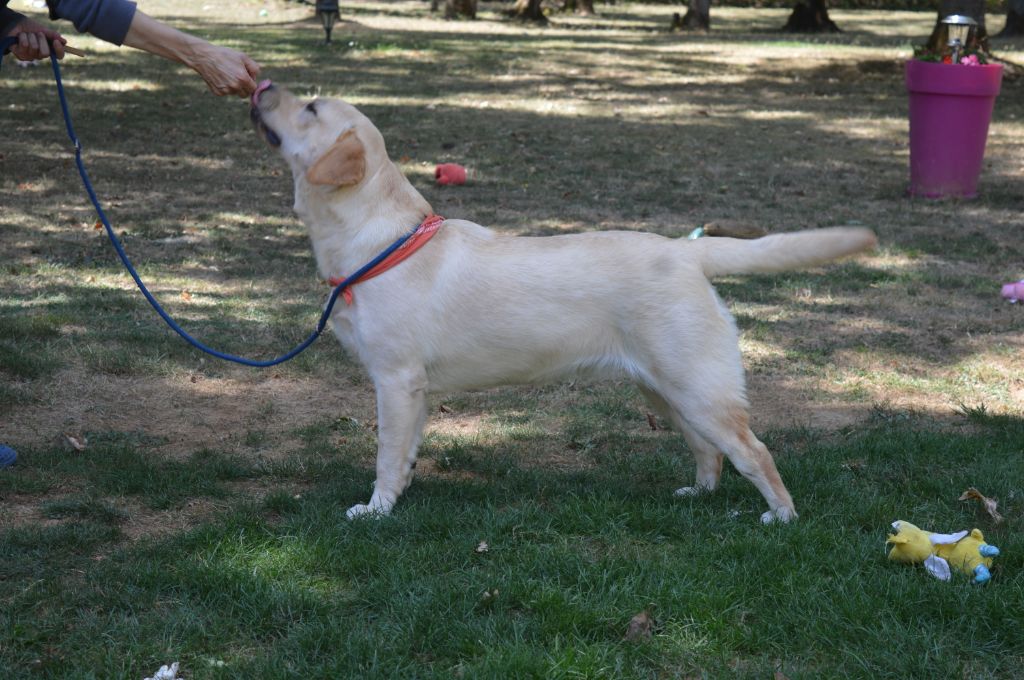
950, 109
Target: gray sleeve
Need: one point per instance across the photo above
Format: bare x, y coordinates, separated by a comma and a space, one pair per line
8, 19
108, 20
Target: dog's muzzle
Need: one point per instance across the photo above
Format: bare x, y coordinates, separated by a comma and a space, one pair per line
273, 139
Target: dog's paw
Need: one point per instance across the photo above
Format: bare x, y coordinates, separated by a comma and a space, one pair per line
368, 511
778, 515
691, 491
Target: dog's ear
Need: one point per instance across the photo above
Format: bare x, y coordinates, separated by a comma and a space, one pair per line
344, 164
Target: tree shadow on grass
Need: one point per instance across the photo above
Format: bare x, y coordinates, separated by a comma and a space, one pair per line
578, 166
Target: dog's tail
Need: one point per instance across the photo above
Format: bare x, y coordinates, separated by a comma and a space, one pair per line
780, 252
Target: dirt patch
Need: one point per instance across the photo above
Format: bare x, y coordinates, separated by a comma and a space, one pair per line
23, 510
143, 523
188, 411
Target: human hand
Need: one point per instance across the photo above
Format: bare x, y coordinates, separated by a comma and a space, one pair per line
226, 71
34, 41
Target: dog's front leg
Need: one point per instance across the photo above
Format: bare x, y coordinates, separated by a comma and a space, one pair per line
401, 414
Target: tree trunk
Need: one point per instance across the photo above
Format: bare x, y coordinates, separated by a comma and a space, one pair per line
581, 7
975, 9
454, 8
698, 17
811, 17
1014, 20
528, 10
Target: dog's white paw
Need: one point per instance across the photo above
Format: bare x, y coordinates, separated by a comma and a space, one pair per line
691, 491
369, 511
778, 515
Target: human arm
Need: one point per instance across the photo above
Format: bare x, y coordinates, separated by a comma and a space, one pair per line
226, 71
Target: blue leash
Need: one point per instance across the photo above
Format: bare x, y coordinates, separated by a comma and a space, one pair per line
321, 324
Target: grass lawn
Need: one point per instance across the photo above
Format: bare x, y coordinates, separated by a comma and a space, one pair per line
203, 520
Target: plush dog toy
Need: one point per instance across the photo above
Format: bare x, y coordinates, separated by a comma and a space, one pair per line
964, 551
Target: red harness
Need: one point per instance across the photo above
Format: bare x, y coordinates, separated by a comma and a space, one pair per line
419, 238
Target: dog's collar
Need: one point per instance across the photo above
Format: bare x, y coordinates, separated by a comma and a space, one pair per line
419, 237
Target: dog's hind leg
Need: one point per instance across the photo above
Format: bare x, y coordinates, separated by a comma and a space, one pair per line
708, 458
726, 427
714, 413
709, 463
703, 383
401, 415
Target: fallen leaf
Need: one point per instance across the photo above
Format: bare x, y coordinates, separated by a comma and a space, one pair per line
988, 503
77, 443
651, 422
98, 225
640, 627
444, 409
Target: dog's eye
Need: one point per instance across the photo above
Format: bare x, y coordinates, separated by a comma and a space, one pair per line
311, 107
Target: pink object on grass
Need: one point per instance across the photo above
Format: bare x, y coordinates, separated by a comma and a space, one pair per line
950, 109
1014, 292
450, 173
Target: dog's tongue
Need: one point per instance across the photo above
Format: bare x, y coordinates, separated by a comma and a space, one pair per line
260, 89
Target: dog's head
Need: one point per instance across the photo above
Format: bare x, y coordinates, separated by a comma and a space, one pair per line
325, 141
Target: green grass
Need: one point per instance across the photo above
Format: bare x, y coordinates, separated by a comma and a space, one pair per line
286, 587
26, 344
122, 467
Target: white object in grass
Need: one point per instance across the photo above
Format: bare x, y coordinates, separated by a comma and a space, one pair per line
166, 673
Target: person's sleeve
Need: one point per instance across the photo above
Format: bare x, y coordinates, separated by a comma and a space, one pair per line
8, 19
108, 20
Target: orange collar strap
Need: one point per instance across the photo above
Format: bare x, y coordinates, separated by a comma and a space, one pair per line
419, 238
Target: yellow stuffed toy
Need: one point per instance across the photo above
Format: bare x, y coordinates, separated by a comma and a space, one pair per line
964, 551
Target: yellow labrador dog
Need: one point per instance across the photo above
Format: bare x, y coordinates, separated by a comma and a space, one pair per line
473, 308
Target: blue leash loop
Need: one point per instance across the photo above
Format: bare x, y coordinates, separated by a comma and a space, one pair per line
321, 324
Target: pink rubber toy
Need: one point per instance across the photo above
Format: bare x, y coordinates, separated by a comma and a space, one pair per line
450, 173
1014, 292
